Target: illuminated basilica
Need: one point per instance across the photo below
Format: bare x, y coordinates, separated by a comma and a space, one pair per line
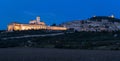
33, 25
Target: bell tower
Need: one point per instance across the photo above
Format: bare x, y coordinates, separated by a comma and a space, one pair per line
38, 19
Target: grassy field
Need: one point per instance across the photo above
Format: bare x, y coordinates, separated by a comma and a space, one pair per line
42, 54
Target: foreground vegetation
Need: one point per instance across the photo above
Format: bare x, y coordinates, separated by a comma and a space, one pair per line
76, 40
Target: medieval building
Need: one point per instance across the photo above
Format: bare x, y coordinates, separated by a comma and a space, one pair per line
33, 25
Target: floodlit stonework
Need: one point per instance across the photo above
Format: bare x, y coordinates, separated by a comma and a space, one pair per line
33, 25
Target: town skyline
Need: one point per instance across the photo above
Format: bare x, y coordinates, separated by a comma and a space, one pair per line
112, 16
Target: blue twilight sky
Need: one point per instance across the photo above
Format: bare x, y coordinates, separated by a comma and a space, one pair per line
55, 11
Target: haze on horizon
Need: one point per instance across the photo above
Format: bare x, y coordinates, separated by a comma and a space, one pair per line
55, 11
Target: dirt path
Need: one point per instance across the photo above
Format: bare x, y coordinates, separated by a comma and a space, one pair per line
27, 36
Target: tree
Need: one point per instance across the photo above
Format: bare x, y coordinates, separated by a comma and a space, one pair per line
54, 24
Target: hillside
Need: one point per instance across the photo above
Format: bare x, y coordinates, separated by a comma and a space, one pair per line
76, 40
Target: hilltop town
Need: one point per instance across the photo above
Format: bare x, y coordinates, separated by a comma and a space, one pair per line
97, 32
95, 23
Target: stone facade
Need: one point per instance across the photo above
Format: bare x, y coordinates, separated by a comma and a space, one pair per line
33, 25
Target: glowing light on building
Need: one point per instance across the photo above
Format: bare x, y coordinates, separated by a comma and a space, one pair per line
112, 16
33, 25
